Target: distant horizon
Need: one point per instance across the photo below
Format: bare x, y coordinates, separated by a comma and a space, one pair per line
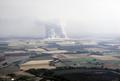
72, 37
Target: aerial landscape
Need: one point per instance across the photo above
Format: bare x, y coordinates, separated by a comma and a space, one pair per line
57, 50
59, 40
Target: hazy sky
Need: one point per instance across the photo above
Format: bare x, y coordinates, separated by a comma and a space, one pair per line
79, 16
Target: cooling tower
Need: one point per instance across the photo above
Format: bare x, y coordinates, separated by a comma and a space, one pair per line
54, 31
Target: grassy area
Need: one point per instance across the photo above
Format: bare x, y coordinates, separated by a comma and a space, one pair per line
85, 59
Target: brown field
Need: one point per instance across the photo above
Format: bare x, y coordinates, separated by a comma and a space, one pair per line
36, 64
105, 57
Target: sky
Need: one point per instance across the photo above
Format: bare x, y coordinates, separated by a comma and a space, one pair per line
79, 17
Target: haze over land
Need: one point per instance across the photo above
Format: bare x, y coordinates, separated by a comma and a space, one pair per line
79, 17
